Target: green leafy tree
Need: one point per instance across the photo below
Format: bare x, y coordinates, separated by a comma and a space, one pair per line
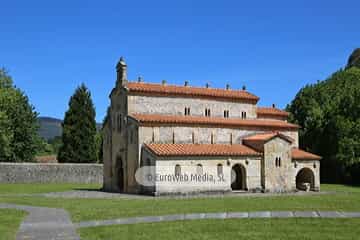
329, 114
18, 127
45, 148
56, 143
79, 129
354, 59
5, 79
5, 137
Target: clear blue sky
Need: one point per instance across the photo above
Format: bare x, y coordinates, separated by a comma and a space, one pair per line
273, 47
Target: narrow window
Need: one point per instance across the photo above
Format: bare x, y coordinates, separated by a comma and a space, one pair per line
212, 138
226, 113
119, 122
220, 169
193, 137
177, 170
243, 115
231, 138
113, 122
173, 137
278, 162
207, 112
199, 169
153, 136
187, 111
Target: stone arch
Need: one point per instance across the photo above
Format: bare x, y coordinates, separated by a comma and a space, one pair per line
305, 175
120, 173
238, 178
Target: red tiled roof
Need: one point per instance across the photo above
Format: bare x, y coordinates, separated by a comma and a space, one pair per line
187, 91
201, 150
157, 119
264, 137
299, 154
270, 111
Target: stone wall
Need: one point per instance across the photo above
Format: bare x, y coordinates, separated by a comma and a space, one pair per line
277, 178
176, 106
50, 173
201, 135
209, 165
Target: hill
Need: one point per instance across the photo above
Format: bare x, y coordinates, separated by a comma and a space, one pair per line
51, 127
329, 114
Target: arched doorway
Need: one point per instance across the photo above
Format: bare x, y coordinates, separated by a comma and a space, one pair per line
238, 178
305, 179
120, 173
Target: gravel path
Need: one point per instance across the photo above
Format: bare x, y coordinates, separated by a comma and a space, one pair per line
222, 215
44, 224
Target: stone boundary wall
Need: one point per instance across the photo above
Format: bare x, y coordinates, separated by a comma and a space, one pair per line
50, 173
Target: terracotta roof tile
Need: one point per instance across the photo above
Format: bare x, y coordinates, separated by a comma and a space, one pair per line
270, 111
201, 150
157, 119
263, 137
187, 91
299, 154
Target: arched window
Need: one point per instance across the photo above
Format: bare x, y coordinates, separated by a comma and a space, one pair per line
177, 170
220, 170
199, 169
226, 113
187, 111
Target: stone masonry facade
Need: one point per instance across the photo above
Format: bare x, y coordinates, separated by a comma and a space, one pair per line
204, 132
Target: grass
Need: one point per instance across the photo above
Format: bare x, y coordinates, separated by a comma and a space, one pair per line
27, 188
250, 229
346, 199
9, 223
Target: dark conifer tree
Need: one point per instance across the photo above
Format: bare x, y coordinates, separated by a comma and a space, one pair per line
79, 129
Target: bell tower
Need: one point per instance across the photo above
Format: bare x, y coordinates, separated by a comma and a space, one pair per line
121, 69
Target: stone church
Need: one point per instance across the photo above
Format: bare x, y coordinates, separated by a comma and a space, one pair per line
199, 139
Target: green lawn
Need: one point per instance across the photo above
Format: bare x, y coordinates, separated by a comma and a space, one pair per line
250, 229
9, 223
28, 188
346, 199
